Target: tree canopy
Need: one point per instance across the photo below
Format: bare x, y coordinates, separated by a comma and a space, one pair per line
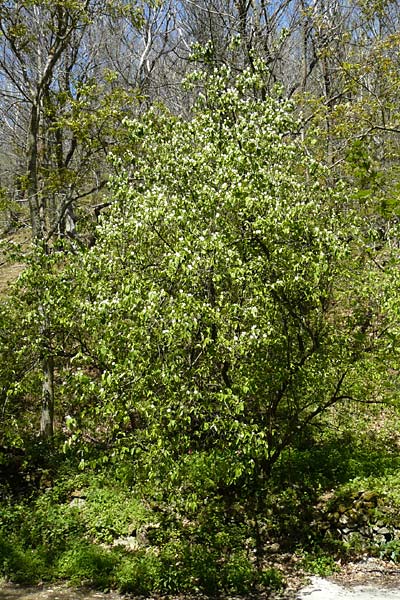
234, 293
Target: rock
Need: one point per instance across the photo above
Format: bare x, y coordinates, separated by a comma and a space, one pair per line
78, 494
129, 542
78, 498
369, 496
343, 519
322, 589
77, 502
379, 539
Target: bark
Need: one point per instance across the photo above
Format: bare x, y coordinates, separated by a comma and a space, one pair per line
47, 411
32, 172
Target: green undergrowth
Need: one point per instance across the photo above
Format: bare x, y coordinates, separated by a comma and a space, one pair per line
351, 470
78, 529
176, 569
189, 534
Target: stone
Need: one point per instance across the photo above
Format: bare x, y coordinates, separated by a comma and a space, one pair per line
78, 494
129, 542
322, 589
370, 496
77, 502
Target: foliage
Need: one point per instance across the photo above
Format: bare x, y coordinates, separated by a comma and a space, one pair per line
230, 299
319, 564
139, 573
391, 551
61, 540
20, 564
86, 563
204, 547
236, 297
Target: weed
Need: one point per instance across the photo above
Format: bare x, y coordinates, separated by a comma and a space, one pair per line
390, 551
319, 564
87, 563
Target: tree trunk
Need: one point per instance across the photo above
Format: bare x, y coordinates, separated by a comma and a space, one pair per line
32, 172
47, 412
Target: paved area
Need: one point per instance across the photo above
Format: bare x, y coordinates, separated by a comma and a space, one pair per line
322, 589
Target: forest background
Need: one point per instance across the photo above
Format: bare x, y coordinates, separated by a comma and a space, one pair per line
199, 317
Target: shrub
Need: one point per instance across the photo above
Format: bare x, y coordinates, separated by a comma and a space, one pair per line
318, 563
20, 564
138, 573
87, 563
110, 513
238, 573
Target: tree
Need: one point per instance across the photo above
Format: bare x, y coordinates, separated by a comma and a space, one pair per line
357, 123
62, 122
231, 299
233, 294
37, 55
49, 78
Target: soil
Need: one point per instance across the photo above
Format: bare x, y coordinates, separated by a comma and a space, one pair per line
9, 270
369, 571
12, 591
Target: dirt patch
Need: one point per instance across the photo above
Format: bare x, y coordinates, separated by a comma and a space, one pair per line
8, 274
369, 571
12, 591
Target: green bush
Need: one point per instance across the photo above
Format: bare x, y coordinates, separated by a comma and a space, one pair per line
271, 579
238, 573
52, 526
318, 563
22, 565
138, 573
87, 563
110, 513
390, 551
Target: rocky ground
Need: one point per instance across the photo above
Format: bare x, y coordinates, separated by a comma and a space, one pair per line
367, 579
369, 571
323, 589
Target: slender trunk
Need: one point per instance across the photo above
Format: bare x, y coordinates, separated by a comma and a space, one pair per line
47, 408
32, 172
47, 411
304, 40
38, 221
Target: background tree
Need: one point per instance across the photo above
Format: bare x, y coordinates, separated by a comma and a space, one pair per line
51, 58
66, 121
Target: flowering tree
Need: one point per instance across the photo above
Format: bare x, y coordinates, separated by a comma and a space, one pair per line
230, 299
